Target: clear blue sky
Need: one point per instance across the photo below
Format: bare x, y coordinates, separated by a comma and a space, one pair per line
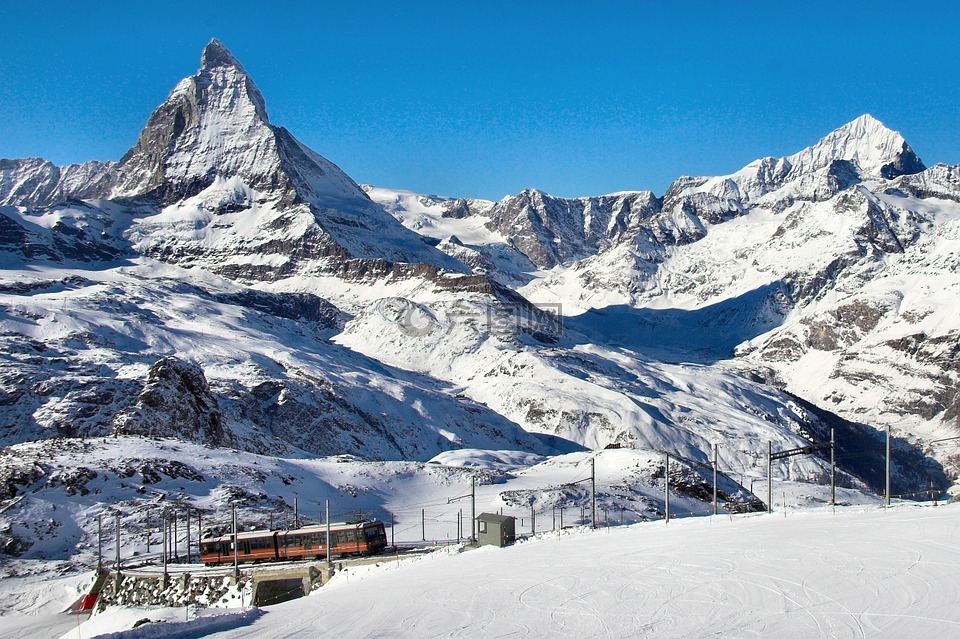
482, 99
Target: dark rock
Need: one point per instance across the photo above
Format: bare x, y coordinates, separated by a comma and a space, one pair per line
906, 163
294, 306
175, 402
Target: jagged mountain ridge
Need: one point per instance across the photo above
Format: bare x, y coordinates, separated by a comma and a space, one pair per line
814, 260
552, 231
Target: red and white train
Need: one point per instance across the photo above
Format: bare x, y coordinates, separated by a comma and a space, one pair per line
366, 537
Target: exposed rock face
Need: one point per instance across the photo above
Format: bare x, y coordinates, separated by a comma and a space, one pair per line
37, 183
939, 181
551, 230
175, 402
295, 306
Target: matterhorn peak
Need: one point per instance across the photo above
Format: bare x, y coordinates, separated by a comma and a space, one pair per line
215, 54
867, 143
213, 123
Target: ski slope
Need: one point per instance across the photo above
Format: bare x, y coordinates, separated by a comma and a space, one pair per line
859, 572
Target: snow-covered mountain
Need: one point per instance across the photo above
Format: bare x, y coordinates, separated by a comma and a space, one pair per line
224, 287
211, 183
829, 272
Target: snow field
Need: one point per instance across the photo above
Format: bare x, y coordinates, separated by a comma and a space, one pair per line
859, 572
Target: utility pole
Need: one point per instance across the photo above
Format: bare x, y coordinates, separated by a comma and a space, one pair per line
118, 543
769, 477
886, 495
715, 447
392, 540
593, 492
473, 509
236, 545
148, 532
188, 535
666, 490
296, 512
99, 543
176, 540
327, 517
833, 470
423, 524
533, 519
164, 542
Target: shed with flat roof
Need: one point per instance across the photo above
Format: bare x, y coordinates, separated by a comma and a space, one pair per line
496, 530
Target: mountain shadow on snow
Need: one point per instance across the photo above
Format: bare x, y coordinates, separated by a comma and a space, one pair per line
704, 335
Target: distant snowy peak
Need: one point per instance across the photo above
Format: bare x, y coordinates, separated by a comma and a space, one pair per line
876, 150
861, 150
35, 182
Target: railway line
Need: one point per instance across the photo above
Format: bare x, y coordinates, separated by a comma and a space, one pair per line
152, 565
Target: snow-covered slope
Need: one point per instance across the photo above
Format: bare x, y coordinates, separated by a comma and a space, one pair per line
79, 349
850, 574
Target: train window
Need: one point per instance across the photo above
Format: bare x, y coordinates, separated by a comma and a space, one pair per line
372, 532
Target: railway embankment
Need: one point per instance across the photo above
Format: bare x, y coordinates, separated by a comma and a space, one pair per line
205, 589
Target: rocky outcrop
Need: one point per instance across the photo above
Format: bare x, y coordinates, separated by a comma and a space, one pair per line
940, 181
296, 306
175, 402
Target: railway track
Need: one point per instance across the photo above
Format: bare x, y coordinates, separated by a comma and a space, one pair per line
152, 564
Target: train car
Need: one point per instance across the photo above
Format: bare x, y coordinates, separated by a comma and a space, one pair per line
254, 545
310, 542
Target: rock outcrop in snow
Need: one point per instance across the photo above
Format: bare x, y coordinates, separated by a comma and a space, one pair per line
176, 402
